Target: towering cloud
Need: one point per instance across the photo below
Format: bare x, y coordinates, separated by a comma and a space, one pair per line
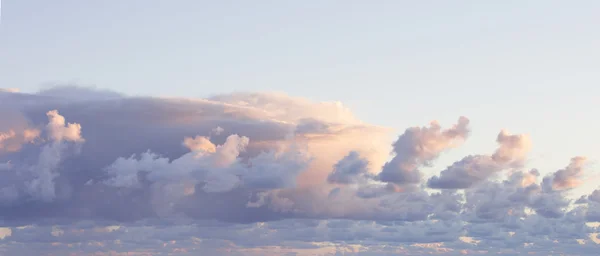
38, 178
249, 173
419, 146
44, 172
12, 141
465, 173
58, 130
218, 168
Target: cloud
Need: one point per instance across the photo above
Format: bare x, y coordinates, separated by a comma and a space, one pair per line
87, 171
44, 171
419, 146
12, 141
569, 177
15, 130
511, 153
218, 168
512, 149
59, 130
5, 232
348, 170
9, 90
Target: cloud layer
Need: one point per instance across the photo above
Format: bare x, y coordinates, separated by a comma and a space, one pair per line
85, 171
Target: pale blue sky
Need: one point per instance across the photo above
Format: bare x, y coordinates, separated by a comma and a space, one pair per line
528, 66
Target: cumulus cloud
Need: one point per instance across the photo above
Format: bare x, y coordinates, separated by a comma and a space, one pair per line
199, 143
511, 153
570, 176
86, 171
44, 171
59, 130
348, 170
12, 141
15, 130
218, 168
512, 149
418, 146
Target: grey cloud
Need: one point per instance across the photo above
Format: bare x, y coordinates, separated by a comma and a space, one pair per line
217, 167
161, 170
593, 197
124, 127
39, 177
471, 170
465, 173
349, 170
376, 190
9, 90
301, 236
419, 146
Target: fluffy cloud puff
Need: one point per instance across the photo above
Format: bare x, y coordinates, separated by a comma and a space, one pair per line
511, 153
87, 171
419, 146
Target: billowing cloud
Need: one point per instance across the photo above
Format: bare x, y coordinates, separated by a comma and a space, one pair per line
12, 141
570, 176
511, 153
348, 170
85, 171
218, 168
39, 177
419, 146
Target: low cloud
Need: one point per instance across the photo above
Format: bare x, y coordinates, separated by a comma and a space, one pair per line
418, 146
349, 170
12, 141
569, 177
86, 171
9, 90
511, 153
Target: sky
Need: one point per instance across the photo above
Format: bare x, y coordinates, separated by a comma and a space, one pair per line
339, 97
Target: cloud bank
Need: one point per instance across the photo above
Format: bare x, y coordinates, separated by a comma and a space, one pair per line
86, 171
